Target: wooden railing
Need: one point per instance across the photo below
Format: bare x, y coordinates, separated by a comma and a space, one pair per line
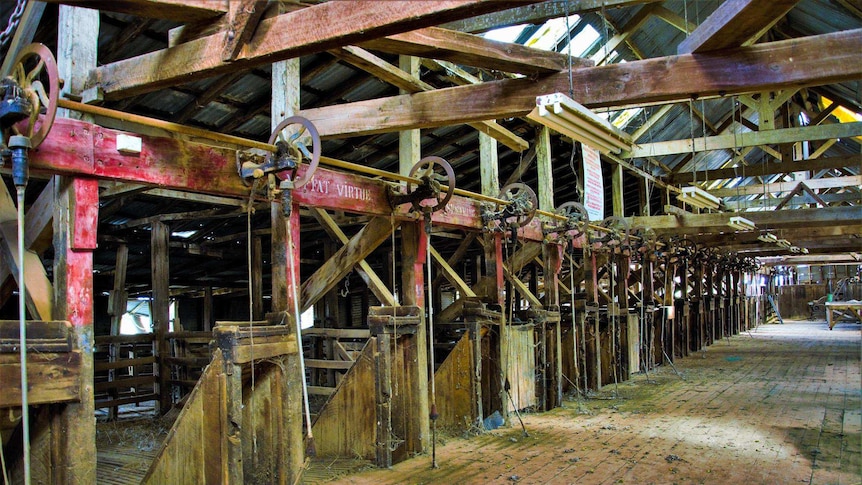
332, 352
126, 368
124, 371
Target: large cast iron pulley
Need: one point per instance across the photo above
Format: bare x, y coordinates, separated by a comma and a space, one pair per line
428, 195
616, 233
683, 249
519, 210
575, 224
291, 151
30, 90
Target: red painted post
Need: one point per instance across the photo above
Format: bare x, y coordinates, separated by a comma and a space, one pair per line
75, 215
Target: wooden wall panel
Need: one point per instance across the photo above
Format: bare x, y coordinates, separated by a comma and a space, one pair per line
346, 425
191, 452
522, 366
455, 386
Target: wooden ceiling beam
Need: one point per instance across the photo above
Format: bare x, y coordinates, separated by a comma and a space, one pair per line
832, 199
816, 184
791, 234
762, 169
293, 34
735, 23
179, 10
472, 50
391, 74
746, 139
538, 13
717, 222
771, 66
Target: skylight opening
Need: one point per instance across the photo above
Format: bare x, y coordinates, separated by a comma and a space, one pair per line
183, 234
582, 42
505, 34
547, 37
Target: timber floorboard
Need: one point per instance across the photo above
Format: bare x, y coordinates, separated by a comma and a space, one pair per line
125, 449
779, 404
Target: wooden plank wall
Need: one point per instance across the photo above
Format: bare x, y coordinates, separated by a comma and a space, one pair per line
522, 366
346, 425
193, 446
455, 386
793, 299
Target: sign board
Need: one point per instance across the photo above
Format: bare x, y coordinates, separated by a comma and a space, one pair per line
594, 190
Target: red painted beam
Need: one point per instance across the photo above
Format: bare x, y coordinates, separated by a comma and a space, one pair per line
82, 149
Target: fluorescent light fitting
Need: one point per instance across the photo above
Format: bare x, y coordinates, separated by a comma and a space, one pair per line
697, 197
568, 118
768, 238
741, 223
795, 249
784, 243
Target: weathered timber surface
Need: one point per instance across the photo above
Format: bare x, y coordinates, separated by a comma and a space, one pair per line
52, 378
456, 386
346, 426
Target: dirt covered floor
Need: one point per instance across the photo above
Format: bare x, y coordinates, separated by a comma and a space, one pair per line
782, 404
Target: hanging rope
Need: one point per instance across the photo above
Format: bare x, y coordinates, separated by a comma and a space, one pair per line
310, 449
430, 305
249, 242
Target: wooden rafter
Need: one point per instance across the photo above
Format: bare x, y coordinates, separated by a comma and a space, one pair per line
770, 202
179, 10
762, 169
735, 23
770, 66
818, 184
705, 223
536, 14
306, 31
471, 50
404, 80
747, 139
242, 18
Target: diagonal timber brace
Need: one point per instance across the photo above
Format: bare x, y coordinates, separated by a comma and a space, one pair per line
343, 261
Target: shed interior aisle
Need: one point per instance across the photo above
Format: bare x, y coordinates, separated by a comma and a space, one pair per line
781, 405
275, 241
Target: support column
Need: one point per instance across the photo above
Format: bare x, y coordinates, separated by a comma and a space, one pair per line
413, 277
591, 316
552, 259
553, 262
285, 103
545, 169
493, 273
617, 189
76, 206
160, 309
257, 279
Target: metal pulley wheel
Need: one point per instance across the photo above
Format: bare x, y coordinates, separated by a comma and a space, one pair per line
434, 173
295, 148
521, 207
618, 228
576, 213
35, 74
291, 151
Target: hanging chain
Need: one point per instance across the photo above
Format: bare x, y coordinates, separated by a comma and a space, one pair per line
14, 20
